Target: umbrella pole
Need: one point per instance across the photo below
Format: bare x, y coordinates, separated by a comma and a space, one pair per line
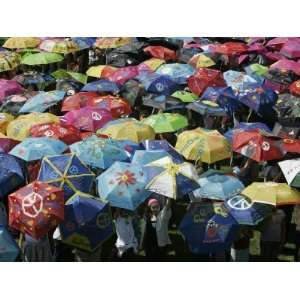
250, 113
20, 242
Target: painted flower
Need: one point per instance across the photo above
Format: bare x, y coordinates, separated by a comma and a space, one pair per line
126, 178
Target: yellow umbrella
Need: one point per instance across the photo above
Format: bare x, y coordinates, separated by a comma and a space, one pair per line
5, 119
203, 145
112, 42
19, 129
201, 61
272, 193
128, 129
9, 60
21, 42
97, 71
153, 63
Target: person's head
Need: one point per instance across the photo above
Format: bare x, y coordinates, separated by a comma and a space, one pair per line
154, 206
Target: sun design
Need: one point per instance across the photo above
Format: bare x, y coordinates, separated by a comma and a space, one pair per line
126, 178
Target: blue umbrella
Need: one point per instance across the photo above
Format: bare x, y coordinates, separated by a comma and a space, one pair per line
211, 93
40, 80
36, 148
208, 228
238, 80
243, 126
129, 147
99, 153
228, 100
163, 145
179, 73
207, 107
67, 172
101, 86
123, 185
143, 157
42, 101
84, 42
11, 174
246, 212
88, 222
9, 249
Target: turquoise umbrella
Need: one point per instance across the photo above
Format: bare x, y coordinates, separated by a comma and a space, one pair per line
144, 157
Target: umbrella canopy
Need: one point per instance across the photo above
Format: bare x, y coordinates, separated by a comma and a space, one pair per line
35, 79
272, 193
21, 42
42, 101
185, 96
201, 61
64, 74
208, 228
36, 208
9, 87
257, 145
123, 185
238, 80
205, 145
19, 129
256, 71
9, 249
286, 65
101, 71
228, 100
161, 52
207, 108
87, 118
6, 144
88, 222
151, 64
63, 46
179, 73
166, 122
291, 171
170, 179
144, 157
42, 58
68, 172
247, 212
77, 101
122, 75
112, 42
291, 49
8, 61
11, 174
101, 86
99, 153
295, 88
128, 129
218, 187
5, 119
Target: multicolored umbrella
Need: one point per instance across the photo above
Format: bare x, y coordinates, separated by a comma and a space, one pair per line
9, 60
161, 52
291, 171
68, 172
227, 99
77, 101
208, 228
101, 71
208, 146
112, 42
238, 80
42, 101
144, 157
88, 222
272, 193
128, 129
5, 119
9, 249
99, 153
36, 208
101, 86
9, 87
166, 122
170, 179
35, 79
64, 74
201, 60
179, 73
151, 64
185, 96
42, 58
256, 71
21, 42
123, 185
87, 118
63, 46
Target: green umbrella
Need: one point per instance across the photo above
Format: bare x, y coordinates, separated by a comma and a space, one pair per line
63, 74
185, 96
41, 58
258, 69
166, 122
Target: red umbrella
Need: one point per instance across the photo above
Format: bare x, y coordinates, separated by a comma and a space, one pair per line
291, 49
295, 88
66, 133
161, 52
291, 145
122, 75
229, 48
36, 208
6, 143
77, 101
117, 106
276, 86
257, 145
204, 78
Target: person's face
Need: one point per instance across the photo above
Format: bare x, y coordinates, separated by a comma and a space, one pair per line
155, 208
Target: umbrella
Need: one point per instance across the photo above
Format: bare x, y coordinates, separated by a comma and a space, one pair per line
208, 228
129, 147
11, 174
246, 212
64, 74
144, 157
42, 101
286, 132
295, 88
218, 187
87, 118
185, 96
206, 108
101, 86
291, 171
165, 146
112, 42
286, 65
65, 133
166, 122
88, 222
99, 153
63, 46
291, 145
68, 172
42, 58
5, 119
227, 99
208, 146
19, 129
123, 185
272, 193
8, 61
9, 87
161, 102
21, 42
257, 72
6, 144
228, 48
238, 80
151, 64
291, 49
36, 208
128, 129
38, 80
37, 147
201, 60
9, 249
170, 179
161, 52
131, 91
288, 106
257, 145
84, 42
179, 73
101, 71
77, 101
122, 75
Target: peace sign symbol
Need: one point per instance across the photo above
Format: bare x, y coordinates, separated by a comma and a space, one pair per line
96, 116
240, 202
32, 205
159, 86
103, 220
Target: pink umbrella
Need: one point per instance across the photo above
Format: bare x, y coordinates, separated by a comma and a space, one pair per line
291, 49
287, 65
122, 75
9, 87
257, 48
6, 144
274, 56
280, 41
87, 118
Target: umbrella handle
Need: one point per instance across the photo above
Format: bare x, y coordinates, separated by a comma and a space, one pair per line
21, 238
250, 113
